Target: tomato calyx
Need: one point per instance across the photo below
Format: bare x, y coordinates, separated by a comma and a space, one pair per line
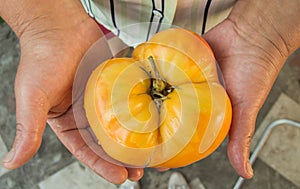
159, 88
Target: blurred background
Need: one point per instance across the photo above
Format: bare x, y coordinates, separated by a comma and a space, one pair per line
277, 166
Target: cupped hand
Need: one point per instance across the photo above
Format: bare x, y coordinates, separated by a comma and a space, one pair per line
251, 46
248, 79
52, 45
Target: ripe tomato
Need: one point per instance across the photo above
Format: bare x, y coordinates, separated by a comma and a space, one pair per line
164, 107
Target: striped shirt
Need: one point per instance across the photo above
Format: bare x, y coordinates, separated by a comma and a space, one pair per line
135, 21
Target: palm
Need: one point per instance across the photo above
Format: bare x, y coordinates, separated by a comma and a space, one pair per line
44, 82
248, 75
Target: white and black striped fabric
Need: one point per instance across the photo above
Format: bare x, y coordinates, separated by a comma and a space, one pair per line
134, 21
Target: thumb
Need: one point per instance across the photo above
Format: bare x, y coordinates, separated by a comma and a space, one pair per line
240, 135
31, 113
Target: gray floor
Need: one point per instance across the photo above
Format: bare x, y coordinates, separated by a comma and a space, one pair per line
54, 166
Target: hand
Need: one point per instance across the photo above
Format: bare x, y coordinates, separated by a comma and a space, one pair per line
251, 46
52, 45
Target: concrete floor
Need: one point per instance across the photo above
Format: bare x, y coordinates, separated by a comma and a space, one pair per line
54, 167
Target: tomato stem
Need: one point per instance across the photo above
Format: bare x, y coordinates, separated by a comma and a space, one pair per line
159, 88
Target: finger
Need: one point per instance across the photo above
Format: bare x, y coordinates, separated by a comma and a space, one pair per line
240, 136
31, 115
162, 169
135, 174
73, 140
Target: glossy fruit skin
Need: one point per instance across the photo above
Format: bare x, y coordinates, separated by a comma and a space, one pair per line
192, 119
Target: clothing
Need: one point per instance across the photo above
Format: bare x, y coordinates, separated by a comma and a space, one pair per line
135, 21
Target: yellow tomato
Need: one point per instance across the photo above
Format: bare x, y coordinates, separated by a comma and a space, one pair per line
164, 107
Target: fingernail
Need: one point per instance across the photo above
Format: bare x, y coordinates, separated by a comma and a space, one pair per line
135, 174
9, 156
162, 169
249, 169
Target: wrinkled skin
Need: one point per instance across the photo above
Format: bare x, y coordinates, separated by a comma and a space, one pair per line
51, 49
52, 44
251, 47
